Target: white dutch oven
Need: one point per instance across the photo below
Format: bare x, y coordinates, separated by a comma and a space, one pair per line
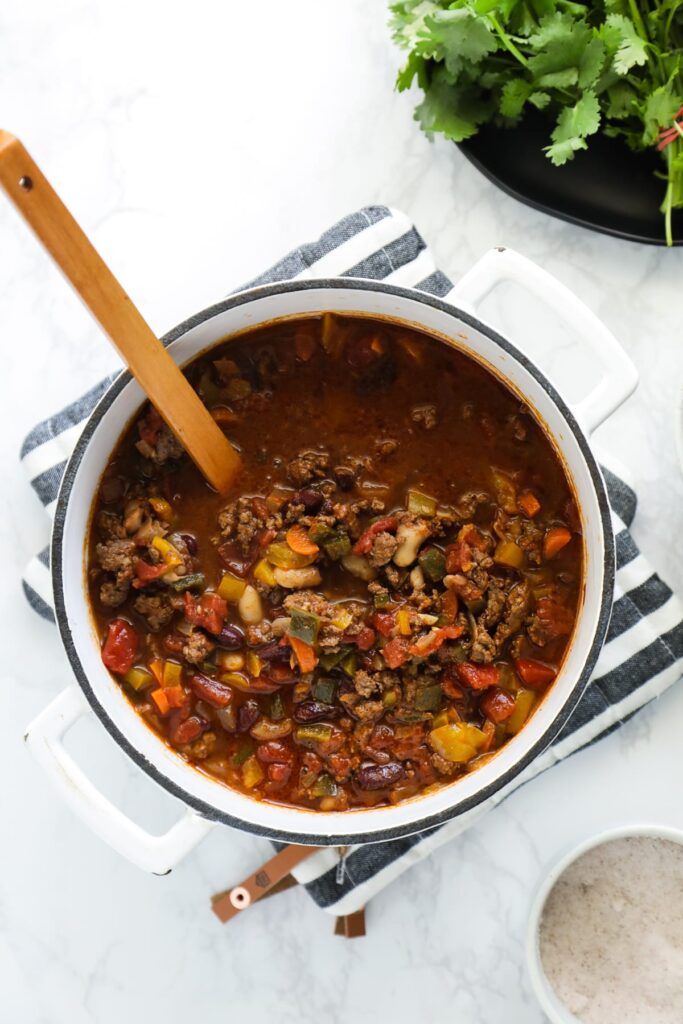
207, 801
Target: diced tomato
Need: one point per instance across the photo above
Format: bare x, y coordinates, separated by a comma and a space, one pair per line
477, 677
149, 427
452, 690
555, 539
364, 639
304, 654
497, 704
145, 572
557, 620
207, 612
396, 652
389, 524
434, 640
534, 674
459, 557
384, 622
120, 646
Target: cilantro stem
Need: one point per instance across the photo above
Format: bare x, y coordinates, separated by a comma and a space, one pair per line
506, 41
637, 20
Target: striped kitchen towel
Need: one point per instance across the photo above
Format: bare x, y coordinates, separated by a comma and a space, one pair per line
643, 653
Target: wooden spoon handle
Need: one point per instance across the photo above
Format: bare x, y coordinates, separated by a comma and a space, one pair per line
155, 371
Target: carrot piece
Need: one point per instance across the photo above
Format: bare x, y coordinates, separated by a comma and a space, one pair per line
555, 539
156, 667
534, 674
304, 654
299, 541
161, 701
449, 604
175, 696
529, 504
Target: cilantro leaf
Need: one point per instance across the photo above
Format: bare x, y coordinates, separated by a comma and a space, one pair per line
513, 97
573, 125
631, 50
457, 114
459, 36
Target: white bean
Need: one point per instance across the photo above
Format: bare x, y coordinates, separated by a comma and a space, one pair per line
294, 579
417, 578
280, 625
249, 606
359, 566
409, 536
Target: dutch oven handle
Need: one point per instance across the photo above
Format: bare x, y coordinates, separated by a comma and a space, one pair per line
619, 376
158, 854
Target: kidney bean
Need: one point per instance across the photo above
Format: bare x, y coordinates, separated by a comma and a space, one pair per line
379, 776
310, 499
345, 477
274, 651
174, 642
211, 690
190, 543
279, 773
274, 752
247, 715
233, 560
230, 638
313, 711
187, 731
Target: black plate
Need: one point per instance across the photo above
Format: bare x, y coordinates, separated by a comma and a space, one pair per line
607, 187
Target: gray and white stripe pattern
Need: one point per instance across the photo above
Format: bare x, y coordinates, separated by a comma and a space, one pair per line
643, 653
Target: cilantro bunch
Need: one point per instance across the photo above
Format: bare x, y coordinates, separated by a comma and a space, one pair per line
614, 66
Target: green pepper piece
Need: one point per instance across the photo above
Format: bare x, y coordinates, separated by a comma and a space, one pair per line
209, 391
319, 533
349, 663
433, 563
428, 698
304, 626
316, 732
381, 600
244, 751
323, 689
193, 581
324, 785
277, 708
330, 659
337, 546
420, 504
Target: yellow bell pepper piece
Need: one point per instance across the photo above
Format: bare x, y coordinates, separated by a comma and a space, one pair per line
139, 679
253, 664
173, 673
264, 573
403, 620
457, 742
252, 773
157, 670
342, 618
524, 701
510, 554
170, 555
231, 588
163, 508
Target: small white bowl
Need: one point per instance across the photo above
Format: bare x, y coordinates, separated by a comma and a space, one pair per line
553, 1007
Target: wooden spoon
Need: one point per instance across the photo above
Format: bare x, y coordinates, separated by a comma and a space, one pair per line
148, 361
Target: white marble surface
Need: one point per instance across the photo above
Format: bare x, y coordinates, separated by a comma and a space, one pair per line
196, 143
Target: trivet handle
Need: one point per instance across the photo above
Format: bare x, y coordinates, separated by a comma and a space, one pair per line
158, 854
619, 376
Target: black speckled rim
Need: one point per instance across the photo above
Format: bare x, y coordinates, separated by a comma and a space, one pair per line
460, 806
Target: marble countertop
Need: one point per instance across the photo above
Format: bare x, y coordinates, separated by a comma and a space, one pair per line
196, 145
